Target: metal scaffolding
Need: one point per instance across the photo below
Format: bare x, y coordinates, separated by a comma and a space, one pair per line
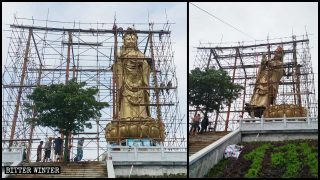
241, 61
44, 52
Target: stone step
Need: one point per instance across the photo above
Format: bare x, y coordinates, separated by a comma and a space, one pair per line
65, 175
60, 164
69, 170
72, 167
75, 167
70, 163
64, 170
200, 141
201, 144
89, 167
85, 172
77, 172
60, 176
80, 172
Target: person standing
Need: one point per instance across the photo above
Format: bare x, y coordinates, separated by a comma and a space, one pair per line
196, 122
204, 124
58, 148
39, 152
80, 149
47, 150
24, 157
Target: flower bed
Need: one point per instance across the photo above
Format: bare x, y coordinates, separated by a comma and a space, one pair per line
286, 159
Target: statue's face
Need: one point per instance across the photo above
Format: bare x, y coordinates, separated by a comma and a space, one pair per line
130, 40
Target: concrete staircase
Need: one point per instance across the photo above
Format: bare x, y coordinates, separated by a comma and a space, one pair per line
69, 170
200, 141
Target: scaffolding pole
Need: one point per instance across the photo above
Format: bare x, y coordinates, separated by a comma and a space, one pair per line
295, 87
23, 75
90, 54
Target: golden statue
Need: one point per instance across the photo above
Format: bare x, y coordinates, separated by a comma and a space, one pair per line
266, 90
269, 76
132, 72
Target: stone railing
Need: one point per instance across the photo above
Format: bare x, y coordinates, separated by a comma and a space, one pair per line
142, 153
284, 123
11, 158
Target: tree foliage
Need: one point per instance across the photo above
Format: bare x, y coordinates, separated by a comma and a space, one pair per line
211, 89
66, 107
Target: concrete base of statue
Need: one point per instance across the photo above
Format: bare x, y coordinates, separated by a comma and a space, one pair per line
135, 128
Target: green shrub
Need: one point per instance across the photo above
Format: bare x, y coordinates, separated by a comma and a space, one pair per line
256, 157
310, 158
252, 173
218, 168
293, 169
289, 160
278, 159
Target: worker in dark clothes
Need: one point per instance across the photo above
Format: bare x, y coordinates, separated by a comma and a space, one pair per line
58, 148
39, 151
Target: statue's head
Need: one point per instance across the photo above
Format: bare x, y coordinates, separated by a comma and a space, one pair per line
279, 53
130, 38
279, 50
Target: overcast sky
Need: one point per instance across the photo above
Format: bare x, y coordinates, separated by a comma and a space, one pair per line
255, 19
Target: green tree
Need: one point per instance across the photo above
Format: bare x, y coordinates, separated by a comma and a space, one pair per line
67, 107
211, 89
